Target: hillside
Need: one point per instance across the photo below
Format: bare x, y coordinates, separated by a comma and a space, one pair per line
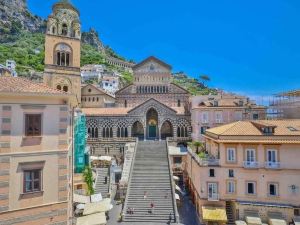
22, 39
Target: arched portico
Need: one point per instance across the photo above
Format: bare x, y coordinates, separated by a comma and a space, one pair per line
138, 130
166, 130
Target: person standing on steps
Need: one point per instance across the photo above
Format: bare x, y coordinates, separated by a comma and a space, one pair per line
145, 195
151, 208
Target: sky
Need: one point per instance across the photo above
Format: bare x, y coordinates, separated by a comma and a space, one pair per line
247, 47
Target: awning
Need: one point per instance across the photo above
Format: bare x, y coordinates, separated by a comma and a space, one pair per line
214, 214
251, 220
296, 220
97, 207
277, 222
81, 198
94, 219
240, 222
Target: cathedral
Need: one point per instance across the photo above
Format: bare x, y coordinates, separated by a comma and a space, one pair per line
151, 108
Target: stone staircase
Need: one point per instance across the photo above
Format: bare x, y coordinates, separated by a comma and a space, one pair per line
229, 213
150, 175
100, 185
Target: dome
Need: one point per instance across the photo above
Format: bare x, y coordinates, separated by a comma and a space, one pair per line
65, 4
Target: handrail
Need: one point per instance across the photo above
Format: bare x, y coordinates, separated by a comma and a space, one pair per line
172, 184
130, 176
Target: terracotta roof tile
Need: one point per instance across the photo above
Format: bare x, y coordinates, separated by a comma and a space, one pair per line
282, 127
21, 85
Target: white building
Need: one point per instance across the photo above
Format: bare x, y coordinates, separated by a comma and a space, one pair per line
110, 82
92, 72
11, 66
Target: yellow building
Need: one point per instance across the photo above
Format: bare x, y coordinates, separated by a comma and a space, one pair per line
62, 50
251, 169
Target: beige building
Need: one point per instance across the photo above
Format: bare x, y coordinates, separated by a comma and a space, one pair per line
34, 153
62, 47
215, 110
95, 97
251, 167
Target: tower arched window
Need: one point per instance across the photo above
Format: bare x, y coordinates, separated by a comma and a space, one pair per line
65, 89
64, 30
58, 87
53, 30
178, 103
63, 55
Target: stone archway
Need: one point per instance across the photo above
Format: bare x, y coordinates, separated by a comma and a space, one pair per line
138, 130
166, 130
152, 124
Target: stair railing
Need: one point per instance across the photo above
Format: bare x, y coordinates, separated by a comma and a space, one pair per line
130, 176
172, 184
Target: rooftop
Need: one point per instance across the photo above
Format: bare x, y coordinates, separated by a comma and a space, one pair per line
279, 131
19, 85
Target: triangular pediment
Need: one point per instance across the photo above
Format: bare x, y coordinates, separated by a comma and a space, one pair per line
152, 65
161, 108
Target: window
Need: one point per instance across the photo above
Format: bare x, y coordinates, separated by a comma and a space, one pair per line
250, 188
212, 172
238, 115
178, 103
64, 30
230, 187
216, 103
218, 116
203, 129
125, 103
32, 181
65, 88
271, 155
255, 116
63, 55
230, 173
296, 212
273, 189
177, 160
231, 154
90, 90
33, 124
205, 117
250, 155
122, 132
58, 87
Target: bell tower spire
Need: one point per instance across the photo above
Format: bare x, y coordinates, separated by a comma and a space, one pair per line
62, 49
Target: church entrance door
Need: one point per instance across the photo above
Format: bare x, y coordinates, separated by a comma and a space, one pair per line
152, 124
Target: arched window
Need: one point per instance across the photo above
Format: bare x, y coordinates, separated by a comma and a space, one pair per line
64, 30
125, 103
53, 30
178, 103
122, 132
107, 132
58, 87
182, 131
63, 55
65, 88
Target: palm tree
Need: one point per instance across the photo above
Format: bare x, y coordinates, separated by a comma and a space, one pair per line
197, 144
88, 179
204, 79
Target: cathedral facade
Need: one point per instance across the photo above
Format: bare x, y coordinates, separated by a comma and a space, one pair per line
151, 108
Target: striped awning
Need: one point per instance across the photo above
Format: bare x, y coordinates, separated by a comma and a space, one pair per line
214, 214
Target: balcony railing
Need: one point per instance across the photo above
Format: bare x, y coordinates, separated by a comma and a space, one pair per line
272, 165
209, 160
213, 197
251, 164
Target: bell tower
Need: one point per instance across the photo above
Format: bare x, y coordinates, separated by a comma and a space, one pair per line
62, 50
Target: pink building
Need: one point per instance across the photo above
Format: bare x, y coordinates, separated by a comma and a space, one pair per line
215, 110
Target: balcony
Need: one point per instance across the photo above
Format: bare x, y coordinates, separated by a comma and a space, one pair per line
251, 164
213, 197
272, 165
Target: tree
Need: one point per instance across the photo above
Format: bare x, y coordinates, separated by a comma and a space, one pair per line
204, 79
197, 144
88, 179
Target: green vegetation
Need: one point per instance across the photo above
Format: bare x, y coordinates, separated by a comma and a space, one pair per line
88, 179
193, 85
90, 55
